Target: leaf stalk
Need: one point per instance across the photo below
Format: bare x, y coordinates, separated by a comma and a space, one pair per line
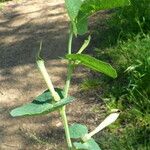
66, 90
41, 66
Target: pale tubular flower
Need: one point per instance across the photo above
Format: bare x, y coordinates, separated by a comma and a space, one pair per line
107, 121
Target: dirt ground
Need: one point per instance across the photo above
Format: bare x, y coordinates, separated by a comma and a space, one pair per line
23, 24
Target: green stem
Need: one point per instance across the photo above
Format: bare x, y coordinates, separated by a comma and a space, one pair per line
47, 79
69, 68
66, 89
66, 127
70, 42
69, 75
55, 95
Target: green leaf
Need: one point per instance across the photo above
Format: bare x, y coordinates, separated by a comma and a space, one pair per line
73, 7
77, 130
93, 64
43, 104
88, 145
90, 7
80, 10
82, 26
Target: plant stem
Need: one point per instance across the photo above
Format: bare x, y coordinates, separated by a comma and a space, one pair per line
66, 89
47, 79
70, 42
69, 67
55, 95
69, 75
66, 127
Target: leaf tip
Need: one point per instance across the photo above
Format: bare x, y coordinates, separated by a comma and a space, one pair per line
12, 113
115, 75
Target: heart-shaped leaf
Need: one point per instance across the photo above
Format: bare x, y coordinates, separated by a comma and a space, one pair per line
73, 7
88, 145
93, 64
77, 130
43, 104
88, 7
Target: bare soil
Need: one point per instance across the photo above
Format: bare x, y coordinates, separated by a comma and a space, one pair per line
23, 24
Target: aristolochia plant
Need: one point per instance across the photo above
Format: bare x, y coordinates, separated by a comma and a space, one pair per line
55, 99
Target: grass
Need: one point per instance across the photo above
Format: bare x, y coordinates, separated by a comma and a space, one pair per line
132, 60
89, 84
133, 19
126, 45
130, 93
131, 139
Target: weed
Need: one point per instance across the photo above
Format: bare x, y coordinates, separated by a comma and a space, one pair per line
89, 84
55, 99
134, 18
130, 92
132, 138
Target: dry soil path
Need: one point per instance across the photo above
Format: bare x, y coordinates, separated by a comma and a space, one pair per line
23, 25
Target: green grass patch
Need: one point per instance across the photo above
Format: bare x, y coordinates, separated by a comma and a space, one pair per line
125, 43
130, 92
130, 138
134, 18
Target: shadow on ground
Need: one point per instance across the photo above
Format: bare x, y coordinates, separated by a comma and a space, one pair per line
23, 25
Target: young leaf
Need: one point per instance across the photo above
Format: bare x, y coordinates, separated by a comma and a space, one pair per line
73, 7
88, 145
92, 6
93, 64
43, 104
77, 130
81, 25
